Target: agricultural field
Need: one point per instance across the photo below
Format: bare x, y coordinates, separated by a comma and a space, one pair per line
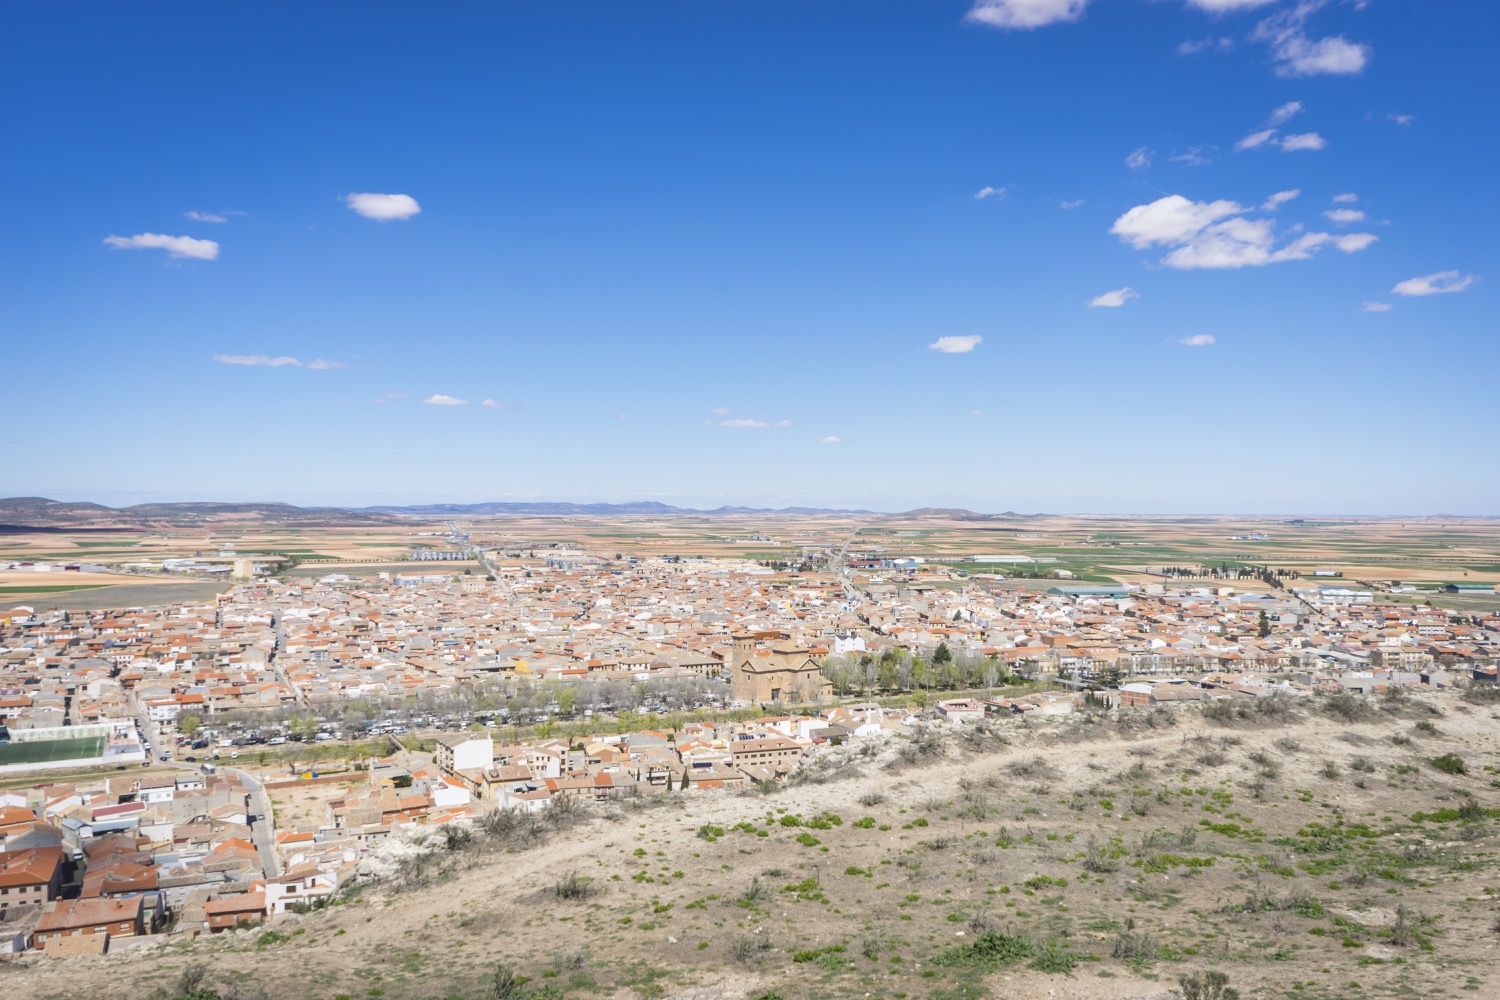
1321, 848
1371, 552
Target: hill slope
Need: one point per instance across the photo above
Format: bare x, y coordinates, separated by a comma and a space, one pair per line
1278, 848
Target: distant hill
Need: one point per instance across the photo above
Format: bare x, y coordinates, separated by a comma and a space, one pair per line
648, 507
543, 507
41, 513
42, 507
20, 513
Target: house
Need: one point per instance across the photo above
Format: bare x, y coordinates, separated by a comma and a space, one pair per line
1141, 694
960, 710
16, 926
306, 884
30, 876
70, 918
464, 752
226, 913
777, 752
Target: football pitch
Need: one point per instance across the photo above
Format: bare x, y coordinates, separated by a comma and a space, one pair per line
77, 748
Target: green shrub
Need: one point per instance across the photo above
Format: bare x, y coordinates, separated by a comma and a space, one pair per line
1055, 959
1450, 763
988, 951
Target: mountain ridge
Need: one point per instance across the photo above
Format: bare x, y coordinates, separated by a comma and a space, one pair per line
43, 512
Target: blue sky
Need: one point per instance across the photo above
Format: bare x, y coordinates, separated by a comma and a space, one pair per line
1019, 254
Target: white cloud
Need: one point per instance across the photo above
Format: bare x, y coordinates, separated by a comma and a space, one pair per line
384, 207
1306, 140
1198, 340
1280, 198
495, 404
955, 345
1170, 220
755, 425
1225, 6
1193, 157
258, 360
1298, 55
1140, 158
438, 399
1376, 307
1195, 46
175, 246
206, 216
1114, 299
831, 439
1256, 139
1439, 283
1401, 119
391, 397
1345, 199
1286, 112
1076, 203
1216, 235
990, 192
323, 364
720, 411
1344, 216
1024, 14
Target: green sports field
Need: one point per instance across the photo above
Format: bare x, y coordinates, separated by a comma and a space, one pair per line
77, 748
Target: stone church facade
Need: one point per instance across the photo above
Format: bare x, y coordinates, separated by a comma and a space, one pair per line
783, 673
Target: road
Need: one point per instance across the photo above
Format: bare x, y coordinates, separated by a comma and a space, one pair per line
840, 560
262, 826
461, 540
278, 626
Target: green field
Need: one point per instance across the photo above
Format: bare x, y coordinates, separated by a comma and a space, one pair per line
77, 748
67, 589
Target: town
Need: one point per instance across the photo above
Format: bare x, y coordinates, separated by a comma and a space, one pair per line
230, 761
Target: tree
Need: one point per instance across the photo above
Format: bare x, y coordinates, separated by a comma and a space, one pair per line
1265, 625
684, 784
992, 672
1109, 678
942, 655
303, 726
190, 724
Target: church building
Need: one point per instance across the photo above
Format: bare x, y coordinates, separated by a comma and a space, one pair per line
782, 673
